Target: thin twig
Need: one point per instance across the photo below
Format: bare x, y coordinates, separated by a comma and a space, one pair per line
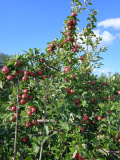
15, 143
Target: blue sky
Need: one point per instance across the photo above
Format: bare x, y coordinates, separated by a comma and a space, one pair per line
28, 24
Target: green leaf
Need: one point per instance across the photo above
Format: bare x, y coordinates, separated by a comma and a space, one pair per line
28, 158
46, 129
35, 148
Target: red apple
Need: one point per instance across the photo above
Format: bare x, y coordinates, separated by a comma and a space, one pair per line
67, 69
44, 76
69, 39
32, 74
22, 101
67, 90
9, 77
105, 83
24, 78
15, 115
76, 45
92, 100
68, 33
74, 76
24, 96
77, 101
119, 92
74, 22
52, 44
99, 118
26, 73
70, 27
73, 14
70, 61
17, 63
19, 71
85, 117
43, 59
35, 122
81, 57
111, 97
14, 119
92, 83
30, 98
29, 124
81, 129
11, 103
40, 73
24, 139
25, 91
13, 108
34, 109
69, 22
29, 113
74, 49
5, 70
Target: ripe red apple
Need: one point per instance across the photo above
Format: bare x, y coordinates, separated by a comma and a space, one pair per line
19, 71
49, 49
99, 118
68, 33
24, 96
40, 73
73, 14
17, 63
74, 22
69, 39
5, 70
111, 97
70, 61
9, 77
69, 22
92, 100
25, 91
77, 101
85, 117
15, 115
24, 78
26, 73
29, 124
34, 109
30, 98
67, 90
29, 113
65, 41
76, 45
44, 76
22, 101
105, 83
70, 27
14, 119
81, 57
67, 69
24, 139
43, 59
35, 122
71, 91
52, 44
92, 83
11, 103
119, 92
74, 49
32, 74
13, 108
29, 108
91, 89
74, 76
81, 129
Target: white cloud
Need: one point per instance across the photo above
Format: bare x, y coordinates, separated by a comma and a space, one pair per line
113, 22
107, 37
99, 72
